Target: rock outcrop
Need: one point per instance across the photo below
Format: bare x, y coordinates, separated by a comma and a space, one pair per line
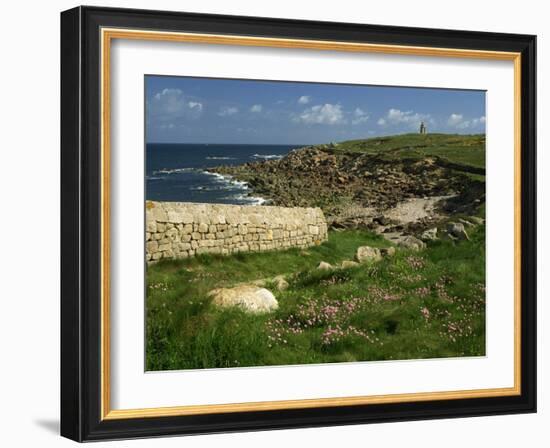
332, 179
394, 196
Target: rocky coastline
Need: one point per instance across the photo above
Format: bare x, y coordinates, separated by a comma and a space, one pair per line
390, 195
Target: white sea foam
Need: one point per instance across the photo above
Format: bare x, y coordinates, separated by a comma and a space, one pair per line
216, 175
220, 182
232, 184
249, 200
257, 200
267, 156
227, 179
220, 158
173, 171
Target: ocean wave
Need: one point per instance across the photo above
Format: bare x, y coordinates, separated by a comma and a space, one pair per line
173, 171
249, 200
216, 187
216, 175
267, 156
229, 183
220, 158
228, 180
237, 189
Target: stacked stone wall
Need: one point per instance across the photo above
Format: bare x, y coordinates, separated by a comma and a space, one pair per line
181, 229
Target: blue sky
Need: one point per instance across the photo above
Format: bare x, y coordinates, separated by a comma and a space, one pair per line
205, 110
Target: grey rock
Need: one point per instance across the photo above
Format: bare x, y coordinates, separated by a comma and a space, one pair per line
429, 235
349, 264
476, 220
388, 251
367, 253
456, 230
465, 222
280, 283
324, 266
260, 282
411, 242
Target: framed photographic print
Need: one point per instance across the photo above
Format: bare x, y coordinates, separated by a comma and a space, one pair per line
273, 223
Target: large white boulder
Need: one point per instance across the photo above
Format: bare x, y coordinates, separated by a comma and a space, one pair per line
251, 298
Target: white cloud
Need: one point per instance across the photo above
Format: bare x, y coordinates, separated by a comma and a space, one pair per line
195, 105
457, 121
170, 106
478, 121
227, 111
304, 99
256, 108
409, 118
398, 116
330, 114
168, 93
359, 116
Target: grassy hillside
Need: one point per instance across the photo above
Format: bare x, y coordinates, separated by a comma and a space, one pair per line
412, 305
455, 148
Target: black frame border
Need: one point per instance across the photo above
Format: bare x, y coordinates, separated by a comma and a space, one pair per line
81, 223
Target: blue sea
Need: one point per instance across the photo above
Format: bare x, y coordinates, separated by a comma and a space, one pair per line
176, 172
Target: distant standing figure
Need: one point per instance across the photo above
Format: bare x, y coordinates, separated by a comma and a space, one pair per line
423, 129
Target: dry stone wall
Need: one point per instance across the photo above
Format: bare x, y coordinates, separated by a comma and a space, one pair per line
181, 229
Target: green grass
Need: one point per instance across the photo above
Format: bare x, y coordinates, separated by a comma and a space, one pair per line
414, 305
468, 150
